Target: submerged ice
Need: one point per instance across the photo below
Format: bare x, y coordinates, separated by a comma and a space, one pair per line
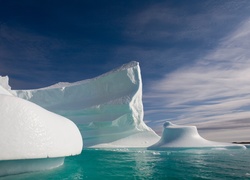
108, 109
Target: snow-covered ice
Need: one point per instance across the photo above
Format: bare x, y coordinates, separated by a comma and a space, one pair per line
4, 85
175, 136
30, 132
108, 109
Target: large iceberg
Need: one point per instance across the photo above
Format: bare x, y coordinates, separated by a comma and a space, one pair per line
108, 109
31, 137
182, 137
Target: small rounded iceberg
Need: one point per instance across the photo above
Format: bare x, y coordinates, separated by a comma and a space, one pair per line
183, 137
32, 138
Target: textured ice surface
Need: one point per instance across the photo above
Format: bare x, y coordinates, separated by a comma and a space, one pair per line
108, 109
28, 131
174, 136
32, 138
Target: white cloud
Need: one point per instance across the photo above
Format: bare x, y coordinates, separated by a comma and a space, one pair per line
215, 89
164, 21
164, 36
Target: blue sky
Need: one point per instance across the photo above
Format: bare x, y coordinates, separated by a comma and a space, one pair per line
194, 55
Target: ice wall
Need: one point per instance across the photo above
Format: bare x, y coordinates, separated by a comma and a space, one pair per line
108, 109
174, 136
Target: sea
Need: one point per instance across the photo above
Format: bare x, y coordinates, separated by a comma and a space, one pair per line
139, 164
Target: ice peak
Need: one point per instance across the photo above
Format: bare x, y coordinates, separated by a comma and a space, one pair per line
129, 65
167, 124
4, 85
132, 64
4, 82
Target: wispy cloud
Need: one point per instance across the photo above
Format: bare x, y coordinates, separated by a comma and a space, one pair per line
163, 36
214, 89
195, 21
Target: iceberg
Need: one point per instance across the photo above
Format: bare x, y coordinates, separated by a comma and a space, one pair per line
31, 137
186, 137
107, 109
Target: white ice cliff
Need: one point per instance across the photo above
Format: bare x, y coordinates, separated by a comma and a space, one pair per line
4, 85
31, 137
108, 109
176, 137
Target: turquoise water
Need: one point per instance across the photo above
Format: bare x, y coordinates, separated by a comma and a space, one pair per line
145, 164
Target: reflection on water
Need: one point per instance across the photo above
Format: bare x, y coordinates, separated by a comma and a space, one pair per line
143, 167
144, 164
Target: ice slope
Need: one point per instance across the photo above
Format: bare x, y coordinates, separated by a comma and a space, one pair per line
32, 138
108, 109
174, 136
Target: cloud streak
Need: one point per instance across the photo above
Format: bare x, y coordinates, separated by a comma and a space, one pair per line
214, 89
195, 21
164, 36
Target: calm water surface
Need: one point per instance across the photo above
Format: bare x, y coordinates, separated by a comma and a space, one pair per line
144, 164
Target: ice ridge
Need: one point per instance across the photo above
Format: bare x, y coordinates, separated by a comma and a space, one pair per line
108, 109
